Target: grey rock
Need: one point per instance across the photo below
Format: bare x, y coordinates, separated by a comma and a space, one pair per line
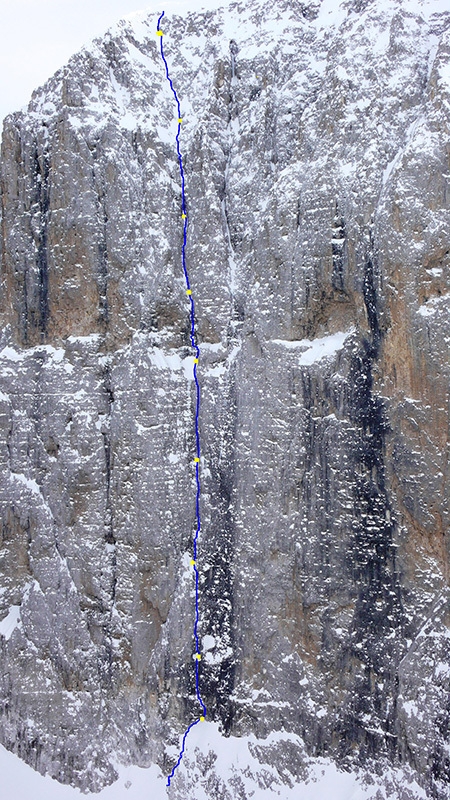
317, 176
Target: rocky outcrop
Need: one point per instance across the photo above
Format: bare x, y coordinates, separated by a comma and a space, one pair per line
315, 144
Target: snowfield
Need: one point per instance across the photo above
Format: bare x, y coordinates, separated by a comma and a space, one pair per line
325, 782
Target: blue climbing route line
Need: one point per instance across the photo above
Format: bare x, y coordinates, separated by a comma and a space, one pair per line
184, 217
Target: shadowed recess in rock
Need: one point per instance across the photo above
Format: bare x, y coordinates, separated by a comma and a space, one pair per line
197, 407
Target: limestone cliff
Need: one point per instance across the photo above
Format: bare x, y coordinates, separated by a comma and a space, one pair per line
317, 159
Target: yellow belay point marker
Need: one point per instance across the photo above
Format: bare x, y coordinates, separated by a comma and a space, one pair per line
197, 657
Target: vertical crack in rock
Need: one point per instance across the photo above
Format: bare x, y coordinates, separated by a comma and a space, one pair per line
339, 250
217, 586
43, 199
379, 624
106, 434
234, 49
325, 369
440, 755
232, 236
102, 240
110, 539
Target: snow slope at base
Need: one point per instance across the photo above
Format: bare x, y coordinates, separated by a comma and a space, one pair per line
21, 782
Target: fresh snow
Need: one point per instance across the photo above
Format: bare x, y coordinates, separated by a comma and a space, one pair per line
234, 756
20, 782
316, 349
55, 353
28, 482
10, 622
10, 354
172, 362
331, 14
431, 306
325, 347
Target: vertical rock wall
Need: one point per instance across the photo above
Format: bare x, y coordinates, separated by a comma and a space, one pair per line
317, 163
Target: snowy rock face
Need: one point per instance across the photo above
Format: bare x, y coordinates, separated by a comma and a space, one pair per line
315, 140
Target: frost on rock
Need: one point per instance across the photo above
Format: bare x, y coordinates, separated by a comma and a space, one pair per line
315, 147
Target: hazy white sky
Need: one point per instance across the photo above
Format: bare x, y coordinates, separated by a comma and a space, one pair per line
38, 36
